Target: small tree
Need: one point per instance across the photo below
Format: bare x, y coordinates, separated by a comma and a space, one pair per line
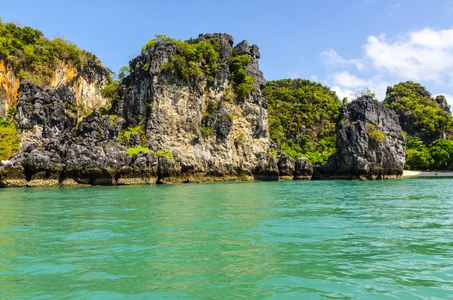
441, 152
124, 71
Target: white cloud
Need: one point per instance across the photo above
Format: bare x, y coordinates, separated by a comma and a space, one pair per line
348, 85
293, 75
343, 92
331, 57
422, 55
349, 81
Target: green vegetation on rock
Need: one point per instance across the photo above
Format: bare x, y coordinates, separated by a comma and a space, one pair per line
207, 131
125, 134
438, 155
302, 116
9, 140
242, 83
192, 61
136, 150
149, 47
111, 91
420, 115
375, 134
319, 154
201, 60
165, 153
34, 57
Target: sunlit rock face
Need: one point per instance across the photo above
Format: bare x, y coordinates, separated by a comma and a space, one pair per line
195, 130
209, 131
85, 84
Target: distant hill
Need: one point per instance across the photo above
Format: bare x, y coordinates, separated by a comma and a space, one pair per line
419, 113
302, 116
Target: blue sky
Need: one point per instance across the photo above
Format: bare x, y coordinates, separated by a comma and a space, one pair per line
346, 45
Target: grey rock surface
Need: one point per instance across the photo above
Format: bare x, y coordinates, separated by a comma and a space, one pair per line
286, 167
303, 169
370, 143
210, 135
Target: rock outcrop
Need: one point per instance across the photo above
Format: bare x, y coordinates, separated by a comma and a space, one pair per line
85, 84
370, 143
267, 169
286, 167
212, 134
303, 169
195, 130
176, 118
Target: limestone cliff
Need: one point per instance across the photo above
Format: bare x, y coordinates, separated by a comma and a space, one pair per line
211, 126
188, 111
9, 85
201, 121
85, 84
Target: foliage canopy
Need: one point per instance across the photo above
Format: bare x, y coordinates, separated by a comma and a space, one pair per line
420, 115
302, 117
192, 61
438, 155
33, 56
9, 140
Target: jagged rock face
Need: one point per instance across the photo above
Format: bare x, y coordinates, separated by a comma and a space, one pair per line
57, 151
286, 167
266, 169
211, 137
370, 143
41, 114
303, 169
252, 69
195, 119
443, 105
289, 169
85, 84
9, 86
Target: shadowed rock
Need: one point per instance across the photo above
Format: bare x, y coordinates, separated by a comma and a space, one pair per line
286, 167
212, 135
370, 143
303, 169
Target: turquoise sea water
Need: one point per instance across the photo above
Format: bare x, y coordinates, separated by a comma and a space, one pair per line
260, 240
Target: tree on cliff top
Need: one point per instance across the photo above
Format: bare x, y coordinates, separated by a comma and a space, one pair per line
193, 61
34, 57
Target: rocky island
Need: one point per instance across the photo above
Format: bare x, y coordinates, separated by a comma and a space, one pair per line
192, 111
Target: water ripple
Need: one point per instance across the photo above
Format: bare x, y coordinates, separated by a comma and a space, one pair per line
263, 240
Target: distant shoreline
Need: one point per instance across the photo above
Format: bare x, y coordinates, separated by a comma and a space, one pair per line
419, 173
